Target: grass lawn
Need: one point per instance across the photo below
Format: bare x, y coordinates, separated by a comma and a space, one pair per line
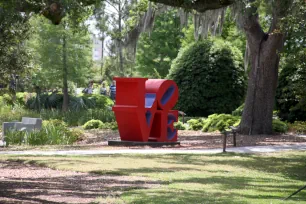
219, 178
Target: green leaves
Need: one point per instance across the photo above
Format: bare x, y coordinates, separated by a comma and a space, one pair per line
210, 78
156, 51
47, 43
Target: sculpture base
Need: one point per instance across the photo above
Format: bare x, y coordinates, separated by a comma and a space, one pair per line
135, 143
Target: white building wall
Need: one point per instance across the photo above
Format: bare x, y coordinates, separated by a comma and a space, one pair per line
97, 49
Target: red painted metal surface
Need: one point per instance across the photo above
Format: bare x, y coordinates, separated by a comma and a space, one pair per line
143, 109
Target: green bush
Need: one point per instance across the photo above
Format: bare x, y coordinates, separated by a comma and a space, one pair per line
290, 93
179, 125
220, 122
298, 127
53, 132
210, 78
93, 124
279, 126
195, 124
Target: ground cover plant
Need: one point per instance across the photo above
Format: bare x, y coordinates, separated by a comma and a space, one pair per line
218, 178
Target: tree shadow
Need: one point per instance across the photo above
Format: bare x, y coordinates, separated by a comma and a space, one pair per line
22, 183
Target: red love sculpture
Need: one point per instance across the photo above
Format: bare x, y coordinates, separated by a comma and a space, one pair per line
143, 109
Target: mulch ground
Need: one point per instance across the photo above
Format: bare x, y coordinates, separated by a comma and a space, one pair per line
22, 183
194, 140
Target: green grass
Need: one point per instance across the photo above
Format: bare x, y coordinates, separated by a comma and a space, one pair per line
220, 178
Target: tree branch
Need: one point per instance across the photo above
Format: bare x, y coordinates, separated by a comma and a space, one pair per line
198, 5
54, 10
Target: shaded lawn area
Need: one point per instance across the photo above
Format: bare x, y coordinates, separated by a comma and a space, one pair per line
219, 178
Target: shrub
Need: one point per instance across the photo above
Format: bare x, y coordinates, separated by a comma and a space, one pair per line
210, 77
179, 126
220, 122
53, 132
290, 93
298, 127
279, 126
195, 124
93, 124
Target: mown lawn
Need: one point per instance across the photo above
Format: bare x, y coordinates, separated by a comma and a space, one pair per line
219, 178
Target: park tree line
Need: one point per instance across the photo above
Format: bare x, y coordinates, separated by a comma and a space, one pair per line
146, 37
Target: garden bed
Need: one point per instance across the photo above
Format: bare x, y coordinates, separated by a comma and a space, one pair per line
98, 139
196, 139
29, 183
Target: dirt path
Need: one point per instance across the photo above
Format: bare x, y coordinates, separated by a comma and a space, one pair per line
31, 184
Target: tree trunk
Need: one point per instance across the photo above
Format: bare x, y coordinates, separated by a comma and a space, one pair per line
120, 10
262, 83
102, 55
65, 74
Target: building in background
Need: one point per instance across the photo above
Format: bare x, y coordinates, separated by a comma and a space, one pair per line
96, 49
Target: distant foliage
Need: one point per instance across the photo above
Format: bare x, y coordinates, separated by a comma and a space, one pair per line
156, 50
77, 118
210, 78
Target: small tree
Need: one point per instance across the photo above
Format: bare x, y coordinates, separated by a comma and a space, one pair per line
63, 54
156, 51
210, 78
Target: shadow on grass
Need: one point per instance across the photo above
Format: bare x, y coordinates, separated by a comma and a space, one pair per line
144, 171
24, 183
287, 169
292, 167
